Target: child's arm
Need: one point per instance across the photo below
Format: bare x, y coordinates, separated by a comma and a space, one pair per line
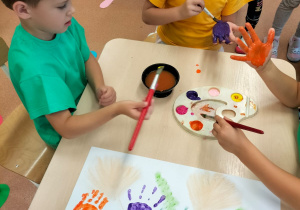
281, 183
105, 94
258, 54
71, 126
153, 15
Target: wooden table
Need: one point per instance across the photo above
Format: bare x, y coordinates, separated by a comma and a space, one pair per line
122, 62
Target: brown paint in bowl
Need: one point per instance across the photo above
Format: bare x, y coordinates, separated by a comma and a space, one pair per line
165, 81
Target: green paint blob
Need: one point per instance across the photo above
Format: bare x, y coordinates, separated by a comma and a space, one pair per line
170, 202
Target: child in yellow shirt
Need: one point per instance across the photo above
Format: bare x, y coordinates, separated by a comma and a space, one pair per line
183, 23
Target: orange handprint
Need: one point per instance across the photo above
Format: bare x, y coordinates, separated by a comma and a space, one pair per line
256, 51
89, 205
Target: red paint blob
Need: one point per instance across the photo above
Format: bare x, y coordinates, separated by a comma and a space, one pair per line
198, 71
196, 125
1, 120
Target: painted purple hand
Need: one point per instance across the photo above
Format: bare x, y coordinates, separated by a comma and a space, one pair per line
221, 32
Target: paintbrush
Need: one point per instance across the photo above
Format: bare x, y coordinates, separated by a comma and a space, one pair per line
208, 12
236, 125
145, 109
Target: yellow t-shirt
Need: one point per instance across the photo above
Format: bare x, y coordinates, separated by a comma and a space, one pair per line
196, 31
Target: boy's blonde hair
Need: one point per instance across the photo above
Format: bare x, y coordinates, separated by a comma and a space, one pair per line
10, 3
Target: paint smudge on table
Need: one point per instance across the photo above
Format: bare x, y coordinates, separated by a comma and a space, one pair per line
1, 120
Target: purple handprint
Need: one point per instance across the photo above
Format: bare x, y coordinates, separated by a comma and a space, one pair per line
221, 31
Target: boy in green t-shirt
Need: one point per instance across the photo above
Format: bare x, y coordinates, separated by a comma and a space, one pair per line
50, 64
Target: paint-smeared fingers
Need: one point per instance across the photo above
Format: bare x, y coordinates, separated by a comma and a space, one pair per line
246, 36
242, 45
239, 58
252, 32
271, 35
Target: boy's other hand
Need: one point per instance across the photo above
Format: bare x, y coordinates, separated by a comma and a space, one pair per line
106, 95
231, 139
257, 53
133, 109
191, 8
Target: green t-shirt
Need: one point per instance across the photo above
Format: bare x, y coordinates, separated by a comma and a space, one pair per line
49, 76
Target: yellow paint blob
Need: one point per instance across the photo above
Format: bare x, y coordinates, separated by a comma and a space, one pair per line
236, 97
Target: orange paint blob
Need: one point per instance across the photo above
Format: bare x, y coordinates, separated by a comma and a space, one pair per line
198, 71
165, 81
196, 125
206, 108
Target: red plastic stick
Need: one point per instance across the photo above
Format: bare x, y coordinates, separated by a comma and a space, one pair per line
141, 119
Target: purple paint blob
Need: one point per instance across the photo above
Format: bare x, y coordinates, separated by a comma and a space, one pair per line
221, 32
181, 110
129, 194
162, 198
193, 95
138, 206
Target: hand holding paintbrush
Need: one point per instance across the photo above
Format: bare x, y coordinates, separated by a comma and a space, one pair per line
145, 109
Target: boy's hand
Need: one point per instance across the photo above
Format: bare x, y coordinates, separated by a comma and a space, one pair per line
257, 53
133, 109
191, 8
223, 32
106, 95
231, 139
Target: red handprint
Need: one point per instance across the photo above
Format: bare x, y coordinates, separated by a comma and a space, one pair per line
256, 51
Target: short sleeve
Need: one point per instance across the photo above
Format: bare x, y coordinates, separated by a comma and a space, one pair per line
78, 32
45, 95
158, 3
232, 6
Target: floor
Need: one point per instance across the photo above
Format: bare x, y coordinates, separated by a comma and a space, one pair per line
122, 19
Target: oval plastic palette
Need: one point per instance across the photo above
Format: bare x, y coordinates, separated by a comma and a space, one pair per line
210, 100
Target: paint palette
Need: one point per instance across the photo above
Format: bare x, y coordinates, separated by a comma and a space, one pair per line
210, 100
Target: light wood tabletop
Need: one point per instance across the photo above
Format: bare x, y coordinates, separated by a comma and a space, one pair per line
162, 137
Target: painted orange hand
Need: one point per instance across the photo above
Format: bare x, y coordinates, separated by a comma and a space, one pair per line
256, 51
89, 205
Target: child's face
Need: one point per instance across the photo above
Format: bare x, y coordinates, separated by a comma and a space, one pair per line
50, 17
